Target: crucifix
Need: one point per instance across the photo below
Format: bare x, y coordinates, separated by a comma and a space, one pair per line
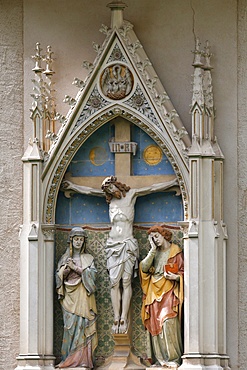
122, 164
121, 247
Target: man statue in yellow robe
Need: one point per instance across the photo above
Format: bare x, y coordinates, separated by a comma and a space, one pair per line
161, 273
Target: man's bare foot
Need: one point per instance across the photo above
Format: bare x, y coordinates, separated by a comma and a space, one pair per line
115, 327
123, 328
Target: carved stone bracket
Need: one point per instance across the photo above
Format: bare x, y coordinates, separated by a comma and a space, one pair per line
184, 225
48, 232
193, 229
33, 235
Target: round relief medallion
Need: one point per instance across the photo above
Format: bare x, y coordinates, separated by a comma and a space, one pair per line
152, 155
98, 156
116, 81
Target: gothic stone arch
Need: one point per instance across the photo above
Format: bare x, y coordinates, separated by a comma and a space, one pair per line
143, 101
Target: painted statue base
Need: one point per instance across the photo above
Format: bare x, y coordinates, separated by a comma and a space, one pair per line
122, 358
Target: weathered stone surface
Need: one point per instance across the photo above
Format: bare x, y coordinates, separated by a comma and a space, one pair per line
242, 175
11, 142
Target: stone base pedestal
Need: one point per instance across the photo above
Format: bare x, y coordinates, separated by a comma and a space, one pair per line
122, 357
162, 367
75, 368
35, 362
205, 362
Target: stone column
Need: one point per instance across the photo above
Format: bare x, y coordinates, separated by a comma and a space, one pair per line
47, 282
36, 264
205, 256
205, 264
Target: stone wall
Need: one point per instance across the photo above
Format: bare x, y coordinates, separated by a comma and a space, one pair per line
11, 143
242, 175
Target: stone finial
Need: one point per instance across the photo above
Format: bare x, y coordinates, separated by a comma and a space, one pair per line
37, 58
117, 7
207, 56
43, 109
198, 54
198, 97
208, 91
48, 59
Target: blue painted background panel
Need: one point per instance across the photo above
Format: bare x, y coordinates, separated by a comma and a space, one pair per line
159, 207
102, 161
81, 209
63, 209
139, 166
89, 209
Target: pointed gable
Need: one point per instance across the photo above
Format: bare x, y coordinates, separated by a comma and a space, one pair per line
120, 82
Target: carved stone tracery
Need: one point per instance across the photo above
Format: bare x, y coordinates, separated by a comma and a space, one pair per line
139, 102
117, 55
83, 136
93, 105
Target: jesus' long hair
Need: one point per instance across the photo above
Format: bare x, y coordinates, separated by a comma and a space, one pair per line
123, 188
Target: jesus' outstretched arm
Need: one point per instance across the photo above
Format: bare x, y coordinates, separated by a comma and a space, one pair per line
68, 185
156, 188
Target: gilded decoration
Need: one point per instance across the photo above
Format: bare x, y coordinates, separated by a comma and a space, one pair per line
116, 81
98, 156
98, 122
152, 155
